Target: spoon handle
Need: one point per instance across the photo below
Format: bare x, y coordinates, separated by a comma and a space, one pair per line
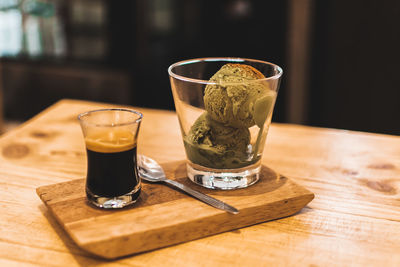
203, 197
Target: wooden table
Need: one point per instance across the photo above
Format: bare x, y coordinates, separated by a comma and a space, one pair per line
353, 220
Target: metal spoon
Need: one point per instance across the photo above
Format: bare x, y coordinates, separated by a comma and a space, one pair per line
151, 171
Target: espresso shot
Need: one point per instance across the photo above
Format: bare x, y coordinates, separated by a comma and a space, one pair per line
112, 179
112, 168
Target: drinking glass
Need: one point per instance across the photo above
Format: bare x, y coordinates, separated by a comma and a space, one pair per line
112, 179
224, 121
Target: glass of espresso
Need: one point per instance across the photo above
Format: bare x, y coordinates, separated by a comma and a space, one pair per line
112, 179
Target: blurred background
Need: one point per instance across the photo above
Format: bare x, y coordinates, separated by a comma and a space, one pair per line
340, 58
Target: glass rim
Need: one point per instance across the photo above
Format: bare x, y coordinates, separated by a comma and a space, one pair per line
86, 113
226, 59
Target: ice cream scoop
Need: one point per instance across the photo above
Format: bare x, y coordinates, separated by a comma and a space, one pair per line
212, 144
240, 98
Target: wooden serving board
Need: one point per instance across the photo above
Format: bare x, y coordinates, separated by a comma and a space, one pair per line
163, 216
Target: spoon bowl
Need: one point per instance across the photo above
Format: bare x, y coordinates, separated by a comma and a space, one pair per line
150, 170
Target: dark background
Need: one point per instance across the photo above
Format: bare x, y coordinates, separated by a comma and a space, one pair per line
355, 81
119, 52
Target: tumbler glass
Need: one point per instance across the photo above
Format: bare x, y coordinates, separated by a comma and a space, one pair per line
112, 179
224, 107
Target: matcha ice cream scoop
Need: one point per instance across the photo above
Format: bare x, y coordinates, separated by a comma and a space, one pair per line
234, 99
212, 144
220, 137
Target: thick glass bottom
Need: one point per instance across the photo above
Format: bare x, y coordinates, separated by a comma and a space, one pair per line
113, 202
225, 179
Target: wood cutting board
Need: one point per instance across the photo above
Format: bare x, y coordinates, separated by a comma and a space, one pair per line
163, 216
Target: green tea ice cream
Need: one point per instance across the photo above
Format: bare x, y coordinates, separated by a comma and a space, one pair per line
214, 145
232, 101
220, 137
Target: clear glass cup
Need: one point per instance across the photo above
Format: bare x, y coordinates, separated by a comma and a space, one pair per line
224, 116
112, 179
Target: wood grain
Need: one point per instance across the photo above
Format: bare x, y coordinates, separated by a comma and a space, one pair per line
354, 219
164, 217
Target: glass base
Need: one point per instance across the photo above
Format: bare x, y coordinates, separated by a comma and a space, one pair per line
225, 179
113, 202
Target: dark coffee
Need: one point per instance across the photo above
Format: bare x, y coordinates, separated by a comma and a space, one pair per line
112, 174
112, 169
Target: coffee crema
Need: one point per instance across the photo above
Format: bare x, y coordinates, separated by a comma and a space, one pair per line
110, 141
